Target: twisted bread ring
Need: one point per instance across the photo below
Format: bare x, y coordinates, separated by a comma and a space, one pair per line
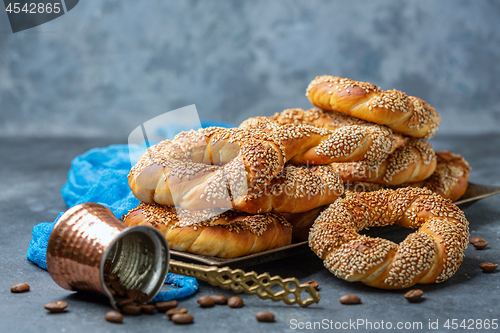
405, 114
412, 162
451, 177
324, 146
297, 189
432, 254
207, 168
231, 234
330, 120
449, 180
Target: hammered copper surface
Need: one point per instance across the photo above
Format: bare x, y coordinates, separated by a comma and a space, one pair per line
77, 244
89, 235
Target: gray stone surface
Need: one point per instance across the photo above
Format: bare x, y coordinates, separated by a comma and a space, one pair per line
33, 171
109, 65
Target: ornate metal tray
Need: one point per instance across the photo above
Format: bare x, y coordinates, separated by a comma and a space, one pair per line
474, 193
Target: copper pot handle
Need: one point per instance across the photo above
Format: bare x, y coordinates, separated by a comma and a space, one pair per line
249, 282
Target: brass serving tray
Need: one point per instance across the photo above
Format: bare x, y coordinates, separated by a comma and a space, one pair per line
474, 193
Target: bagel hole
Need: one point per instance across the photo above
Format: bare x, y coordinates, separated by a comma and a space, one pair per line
394, 233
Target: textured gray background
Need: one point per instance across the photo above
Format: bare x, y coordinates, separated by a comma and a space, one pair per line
109, 65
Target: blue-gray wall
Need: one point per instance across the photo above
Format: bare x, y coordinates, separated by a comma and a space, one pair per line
109, 65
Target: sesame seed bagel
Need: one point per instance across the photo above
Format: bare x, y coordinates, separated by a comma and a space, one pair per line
432, 254
450, 180
207, 168
324, 146
323, 119
231, 234
297, 189
405, 114
412, 162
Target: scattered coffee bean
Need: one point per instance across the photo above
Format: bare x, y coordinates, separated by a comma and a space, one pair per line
414, 295
475, 239
56, 307
314, 284
206, 302
182, 318
488, 267
132, 310
164, 306
171, 312
147, 308
235, 302
219, 299
350, 299
124, 302
20, 288
112, 292
479, 245
114, 317
265, 317
138, 296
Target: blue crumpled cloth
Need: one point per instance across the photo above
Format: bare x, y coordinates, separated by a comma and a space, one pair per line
100, 176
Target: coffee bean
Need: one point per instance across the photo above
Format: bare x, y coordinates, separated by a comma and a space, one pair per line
206, 302
219, 299
111, 278
20, 288
171, 312
488, 267
475, 239
132, 310
138, 296
164, 306
235, 302
350, 299
414, 295
120, 289
108, 266
56, 307
147, 308
265, 317
124, 302
479, 245
182, 318
114, 317
314, 284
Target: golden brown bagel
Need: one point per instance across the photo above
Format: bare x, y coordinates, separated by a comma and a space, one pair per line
324, 146
451, 177
405, 114
297, 189
412, 162
323, 119
449, 180
231, 234
432, 254
207, 168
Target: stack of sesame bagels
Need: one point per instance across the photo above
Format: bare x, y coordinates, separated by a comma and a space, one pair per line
357, 160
